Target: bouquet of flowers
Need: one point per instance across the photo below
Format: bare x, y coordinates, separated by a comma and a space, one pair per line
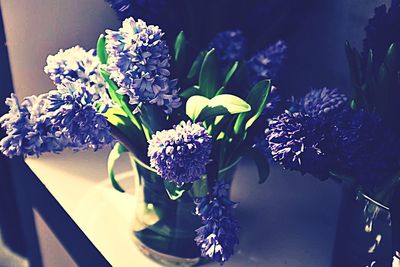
185, 131
355, 140
329, 135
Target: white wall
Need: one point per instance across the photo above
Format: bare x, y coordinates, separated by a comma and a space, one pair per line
37, 28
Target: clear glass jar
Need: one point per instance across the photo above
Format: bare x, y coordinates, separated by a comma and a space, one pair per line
367, 232
164, 229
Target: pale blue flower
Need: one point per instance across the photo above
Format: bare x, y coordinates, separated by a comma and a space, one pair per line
266, 63
72, 109
139, 63
219, 233
29, 130
180, 154
230, 46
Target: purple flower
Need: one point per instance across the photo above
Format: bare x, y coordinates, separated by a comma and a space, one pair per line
72, 108
229, 46
29, 130
76, 64
364, 147
219, 233
322, 101
297, 141
138, 62
180, 154
266, 63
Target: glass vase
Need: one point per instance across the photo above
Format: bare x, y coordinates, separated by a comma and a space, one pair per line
367, 232
164, 229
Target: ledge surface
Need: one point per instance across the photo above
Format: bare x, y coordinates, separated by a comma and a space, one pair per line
290, 220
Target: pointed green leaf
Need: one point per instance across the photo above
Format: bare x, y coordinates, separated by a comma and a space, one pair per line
208, 79
222, 105
180, 47
101, 49
191, 91
231, 72
114, 155
174, 191
196, 66
257, 98
195, 105
117, 98
262, 164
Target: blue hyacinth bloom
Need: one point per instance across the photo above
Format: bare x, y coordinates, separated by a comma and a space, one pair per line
72, 108
29, 131
180, 154
219, 234
322, 101
76, 64
266, 63
230, 46
365, 148
138, 62
297, 142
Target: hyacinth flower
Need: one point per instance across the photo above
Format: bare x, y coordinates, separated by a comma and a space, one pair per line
77, 64
138, 62
219, 233
230, 46
266, 63
325, 130
28, 130
72, 107
186, 141
182, 153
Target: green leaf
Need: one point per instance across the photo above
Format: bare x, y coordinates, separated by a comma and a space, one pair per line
196, 66
222, 105
261, 163
195, 105
191, 91
101, 49
231, 72
180, 47
114, 155
208, 79
392, 58
128, 131
200, 108
174, 191
257, 98
117, 98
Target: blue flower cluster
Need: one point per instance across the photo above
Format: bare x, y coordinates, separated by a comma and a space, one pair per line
266, 63
363, 146
322, 101
180, 154
296, 141
138, 62
29, 131
219, 234
62, 118
230, 46
72, 108
324, 136
76, 64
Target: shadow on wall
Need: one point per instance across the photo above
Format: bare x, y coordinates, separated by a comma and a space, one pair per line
11, 236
